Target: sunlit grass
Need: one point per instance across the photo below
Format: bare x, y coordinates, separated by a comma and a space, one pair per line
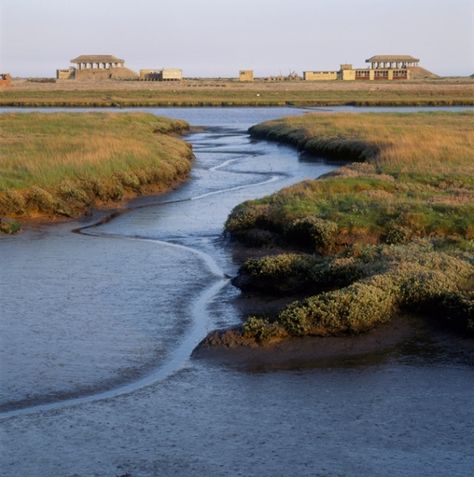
228, 93
60, 163
418, 172
391, 232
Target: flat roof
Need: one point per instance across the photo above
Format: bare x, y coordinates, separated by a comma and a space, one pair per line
391, 58
97, 59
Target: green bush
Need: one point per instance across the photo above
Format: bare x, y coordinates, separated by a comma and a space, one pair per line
245, 216
458, 310
313, 232
9, 227
261, 329
41, 199
12, 203
353, 309
396, 234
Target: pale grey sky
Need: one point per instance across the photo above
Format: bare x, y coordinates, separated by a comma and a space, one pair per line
219, 37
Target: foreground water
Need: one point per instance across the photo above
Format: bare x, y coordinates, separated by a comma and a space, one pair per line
97, 329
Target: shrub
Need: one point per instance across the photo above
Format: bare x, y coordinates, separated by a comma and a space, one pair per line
458, 310
353, 309
9, 227
12, 203
73, 192
261, 329
313, 232
40, 199
245, 216
396, 234
129, 180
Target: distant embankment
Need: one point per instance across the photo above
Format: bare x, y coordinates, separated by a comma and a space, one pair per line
231, 93
62, 164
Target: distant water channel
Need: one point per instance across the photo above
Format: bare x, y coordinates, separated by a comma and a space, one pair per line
97, 329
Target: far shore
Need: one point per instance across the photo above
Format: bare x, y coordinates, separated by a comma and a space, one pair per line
232, 93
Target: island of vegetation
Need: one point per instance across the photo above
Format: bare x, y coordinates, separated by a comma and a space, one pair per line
57, 165
389, 232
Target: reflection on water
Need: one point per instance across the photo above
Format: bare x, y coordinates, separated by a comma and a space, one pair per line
118, 309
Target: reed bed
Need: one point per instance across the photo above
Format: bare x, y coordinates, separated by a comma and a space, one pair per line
61, 164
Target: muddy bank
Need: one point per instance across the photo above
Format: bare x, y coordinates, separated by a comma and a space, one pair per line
68, 164
101, 212
406, 335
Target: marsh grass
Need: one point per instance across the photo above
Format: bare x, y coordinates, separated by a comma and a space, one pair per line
392, 231
416, 175
59, 164
232, 93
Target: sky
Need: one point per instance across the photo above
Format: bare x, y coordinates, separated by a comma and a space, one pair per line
218, 37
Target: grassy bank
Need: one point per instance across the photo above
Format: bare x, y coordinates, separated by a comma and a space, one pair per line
61, 164
232, 93
392, 231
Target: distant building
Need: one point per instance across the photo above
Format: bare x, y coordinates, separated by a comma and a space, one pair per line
5, 80
392, 61
246, 75
66, 74
164, 74
171, 74
97, 67
150, 75
382, 67
319, 75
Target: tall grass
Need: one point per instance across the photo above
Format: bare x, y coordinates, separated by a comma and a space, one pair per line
400, 220
418, 173
62, 163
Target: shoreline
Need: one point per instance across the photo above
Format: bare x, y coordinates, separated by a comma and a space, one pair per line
100, 213
318, 324
228, 93
230, 104
94, 161
404, 335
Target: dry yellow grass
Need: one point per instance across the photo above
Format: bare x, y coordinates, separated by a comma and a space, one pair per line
402, 221
232, 93
418, 174
62, 163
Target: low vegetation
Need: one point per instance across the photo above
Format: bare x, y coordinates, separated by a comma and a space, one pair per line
393, 231
61, 164
232, 93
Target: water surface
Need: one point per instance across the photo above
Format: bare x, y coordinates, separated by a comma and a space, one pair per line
97, 330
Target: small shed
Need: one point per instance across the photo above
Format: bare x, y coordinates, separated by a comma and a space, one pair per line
246, 75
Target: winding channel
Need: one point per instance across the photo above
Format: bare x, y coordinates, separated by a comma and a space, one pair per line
199, 312
98, 327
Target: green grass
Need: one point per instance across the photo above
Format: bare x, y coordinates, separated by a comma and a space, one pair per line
400, 220
60, 164
418, 174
